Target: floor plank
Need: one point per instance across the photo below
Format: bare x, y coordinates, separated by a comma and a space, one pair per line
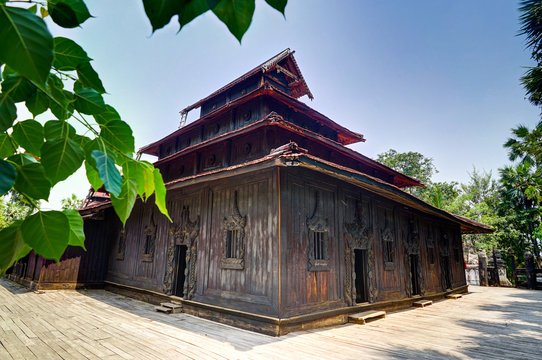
488, 323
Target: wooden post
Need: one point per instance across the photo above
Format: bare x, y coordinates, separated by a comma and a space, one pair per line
482, 268
529, 269
496, 267
515, 274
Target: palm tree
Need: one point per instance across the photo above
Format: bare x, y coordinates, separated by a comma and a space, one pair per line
520, 208
526, 145
531, 27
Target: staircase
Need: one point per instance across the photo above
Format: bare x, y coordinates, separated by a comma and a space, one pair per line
169, 308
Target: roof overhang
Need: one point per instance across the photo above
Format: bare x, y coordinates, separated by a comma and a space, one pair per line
288, 157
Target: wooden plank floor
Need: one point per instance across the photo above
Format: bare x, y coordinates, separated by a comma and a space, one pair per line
488, 323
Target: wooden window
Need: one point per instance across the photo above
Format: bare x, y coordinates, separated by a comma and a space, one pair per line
430, 252
319, 245
388, 249
148, 245
233, 254
233, 244
121, 245
318, 237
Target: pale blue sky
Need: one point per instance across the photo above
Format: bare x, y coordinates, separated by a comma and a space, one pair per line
437, 77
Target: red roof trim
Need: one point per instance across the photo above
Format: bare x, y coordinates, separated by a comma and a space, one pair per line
277, 120
347, 136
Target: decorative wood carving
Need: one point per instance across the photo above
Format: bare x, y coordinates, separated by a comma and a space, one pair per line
359, 235
184, 233
234, 224
318, 227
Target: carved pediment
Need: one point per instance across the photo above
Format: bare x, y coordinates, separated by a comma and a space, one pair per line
186, 231
358, 233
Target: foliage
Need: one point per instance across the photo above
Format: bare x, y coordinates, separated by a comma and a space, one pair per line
13, 209
411, 163
54, 76
439, 194
72, 202
520, 211
531, 20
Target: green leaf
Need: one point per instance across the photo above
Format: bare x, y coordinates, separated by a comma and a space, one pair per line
11, 246
236, 14
68, 13
118, 134
77, 233
22, 159
18, 88
80, 140
192, 10
278, 5
33, 8
61, 158
143, 173
37, 103
93, 176
27, 45
108, 172
89, 78
160, 12
160, 193
68, 54
7, 176
47, 232
32, 181
55, 129
124, 203
6, 149
8, 112
29, 135
43, 12
60, 98
108, 115
89, 101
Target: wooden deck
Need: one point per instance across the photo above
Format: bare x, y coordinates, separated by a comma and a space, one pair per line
488, 323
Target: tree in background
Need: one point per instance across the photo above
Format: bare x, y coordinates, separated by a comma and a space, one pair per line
72, 202
13, 208
410, 163
54, 76
521, 212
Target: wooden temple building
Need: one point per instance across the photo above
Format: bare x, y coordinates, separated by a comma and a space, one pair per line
277, 225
